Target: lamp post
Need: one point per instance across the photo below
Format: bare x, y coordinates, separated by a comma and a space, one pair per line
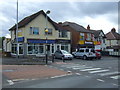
46, 32
17, 30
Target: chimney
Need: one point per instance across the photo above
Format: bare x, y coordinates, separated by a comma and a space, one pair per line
59, 22
88, 27
113, 30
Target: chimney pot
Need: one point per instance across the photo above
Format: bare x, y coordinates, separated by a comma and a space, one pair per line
88, 27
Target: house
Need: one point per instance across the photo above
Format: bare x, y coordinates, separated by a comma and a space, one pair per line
80, 37
32, 38
7, 45
113, 42
99, 39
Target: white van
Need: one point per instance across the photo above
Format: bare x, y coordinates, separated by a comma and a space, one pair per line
85, 53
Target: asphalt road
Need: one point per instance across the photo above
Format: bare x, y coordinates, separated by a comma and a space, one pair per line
82, 74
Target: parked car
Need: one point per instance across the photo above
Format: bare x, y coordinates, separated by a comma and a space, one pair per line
85, 53
62, 54
98, 55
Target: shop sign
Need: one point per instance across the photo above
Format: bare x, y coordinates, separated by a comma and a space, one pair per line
88, 42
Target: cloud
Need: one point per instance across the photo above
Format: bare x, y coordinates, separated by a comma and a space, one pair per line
83, 13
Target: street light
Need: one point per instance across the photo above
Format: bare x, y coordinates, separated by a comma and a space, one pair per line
46, 32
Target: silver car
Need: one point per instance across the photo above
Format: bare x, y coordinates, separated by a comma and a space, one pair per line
62, 54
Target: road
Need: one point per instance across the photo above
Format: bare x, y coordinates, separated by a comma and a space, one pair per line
81, 74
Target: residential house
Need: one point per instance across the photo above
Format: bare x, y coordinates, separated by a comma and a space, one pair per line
80, 37
32, 38
99, 39
7, 45
113, 42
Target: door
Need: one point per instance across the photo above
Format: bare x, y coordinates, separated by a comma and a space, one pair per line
20, 49
48, 50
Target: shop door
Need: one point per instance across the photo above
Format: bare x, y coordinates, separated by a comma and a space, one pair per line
48, 50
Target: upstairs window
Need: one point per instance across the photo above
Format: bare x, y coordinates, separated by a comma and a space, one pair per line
49, 32
82, 37
89, 36
34, 30
63, 34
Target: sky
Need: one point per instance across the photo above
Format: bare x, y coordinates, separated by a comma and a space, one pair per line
98, 14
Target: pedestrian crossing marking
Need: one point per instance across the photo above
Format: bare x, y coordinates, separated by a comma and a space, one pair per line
81, 68
115, 77
90, 69
99, 71
109, 73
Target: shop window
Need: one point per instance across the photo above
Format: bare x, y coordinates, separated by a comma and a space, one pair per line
116, 50
64, 47
41, 50
20, 48
30, 48
52, 48
35, 49
14, 48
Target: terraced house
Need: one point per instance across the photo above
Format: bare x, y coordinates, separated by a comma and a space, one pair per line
80, 36
32, 36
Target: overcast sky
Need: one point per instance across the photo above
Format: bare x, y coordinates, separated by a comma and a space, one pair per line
99, 15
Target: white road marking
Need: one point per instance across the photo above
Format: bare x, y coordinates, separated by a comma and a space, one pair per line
10, 82
109, 73
115, 84
15, 80
100, 80
60, 76
90, 69
115, 77
74, 66
78, 74
81, 68
99, 71
86, 76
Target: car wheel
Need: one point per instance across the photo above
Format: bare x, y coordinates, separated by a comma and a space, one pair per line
54, 57
84, 57
62, 58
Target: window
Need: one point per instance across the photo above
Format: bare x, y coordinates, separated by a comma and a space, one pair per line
81, 51
35, 48
63, 34
34, 30
52, 48
81, 36
92, 50
20, 48
14, 48
87, 50
64, 47
49, 32
89, 36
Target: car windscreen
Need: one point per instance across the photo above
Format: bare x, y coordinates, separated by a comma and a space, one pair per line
65, 52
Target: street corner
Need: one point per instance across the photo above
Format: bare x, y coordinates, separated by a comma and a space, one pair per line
25, 72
